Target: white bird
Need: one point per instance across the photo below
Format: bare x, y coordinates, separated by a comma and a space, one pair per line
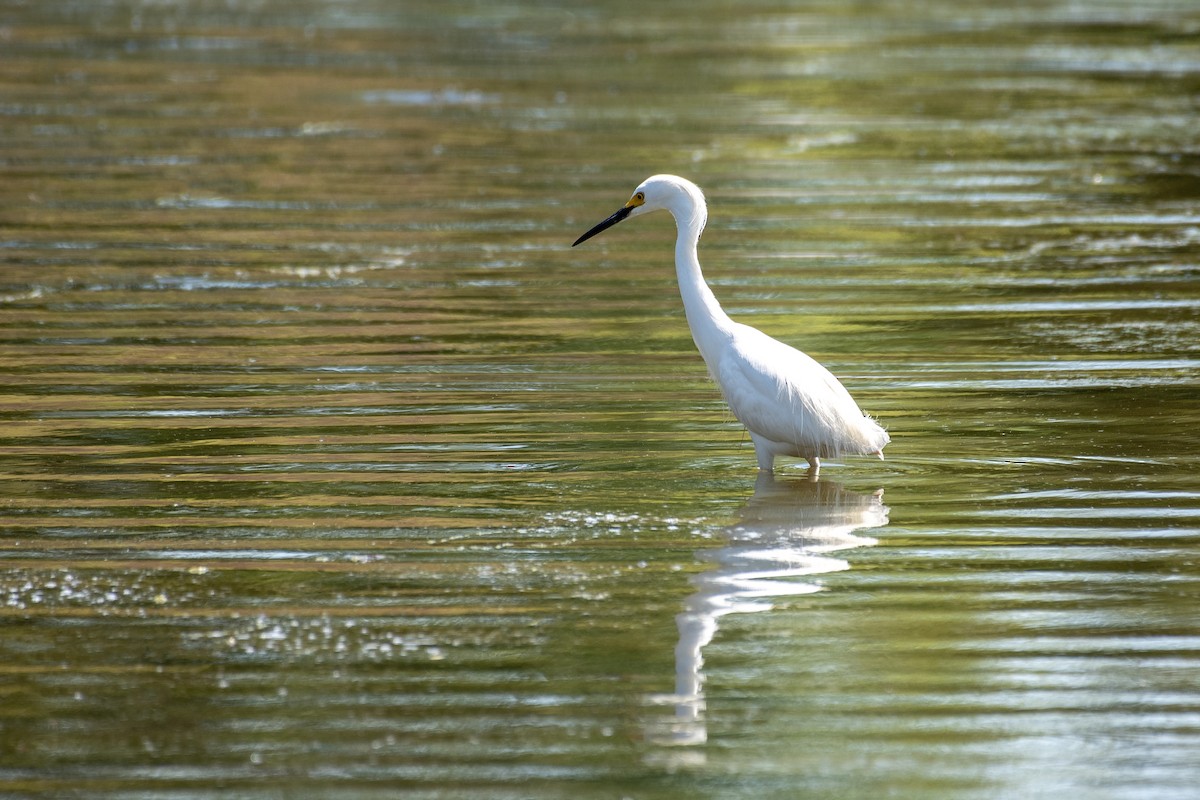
791, 405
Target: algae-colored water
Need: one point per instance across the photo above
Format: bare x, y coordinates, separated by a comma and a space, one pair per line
328, 469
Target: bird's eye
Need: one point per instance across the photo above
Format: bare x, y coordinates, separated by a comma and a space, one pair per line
641, 196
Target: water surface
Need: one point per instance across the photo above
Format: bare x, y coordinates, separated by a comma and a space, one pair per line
328, 469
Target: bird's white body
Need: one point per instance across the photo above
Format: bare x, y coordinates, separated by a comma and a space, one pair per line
791, 405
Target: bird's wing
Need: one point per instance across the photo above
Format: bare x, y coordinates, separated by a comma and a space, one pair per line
784, 395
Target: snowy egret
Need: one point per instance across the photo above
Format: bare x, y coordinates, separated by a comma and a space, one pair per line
791, 405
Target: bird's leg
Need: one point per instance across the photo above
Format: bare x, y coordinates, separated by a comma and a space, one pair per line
814, 466
766, 459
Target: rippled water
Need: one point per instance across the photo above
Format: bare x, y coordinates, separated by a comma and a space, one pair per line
328, 469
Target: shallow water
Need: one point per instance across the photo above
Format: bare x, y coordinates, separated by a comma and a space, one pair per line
329, 469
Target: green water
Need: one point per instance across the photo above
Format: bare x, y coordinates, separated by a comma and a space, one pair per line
329, 469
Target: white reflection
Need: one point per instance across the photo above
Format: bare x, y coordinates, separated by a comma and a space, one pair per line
786, 532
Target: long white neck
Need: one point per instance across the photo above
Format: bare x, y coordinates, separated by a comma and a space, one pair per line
708, 321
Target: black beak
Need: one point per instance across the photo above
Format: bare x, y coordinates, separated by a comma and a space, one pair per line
603, 226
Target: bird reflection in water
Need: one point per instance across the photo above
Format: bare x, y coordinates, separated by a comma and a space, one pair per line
787, 531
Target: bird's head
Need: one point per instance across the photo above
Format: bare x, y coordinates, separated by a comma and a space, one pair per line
681, 197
